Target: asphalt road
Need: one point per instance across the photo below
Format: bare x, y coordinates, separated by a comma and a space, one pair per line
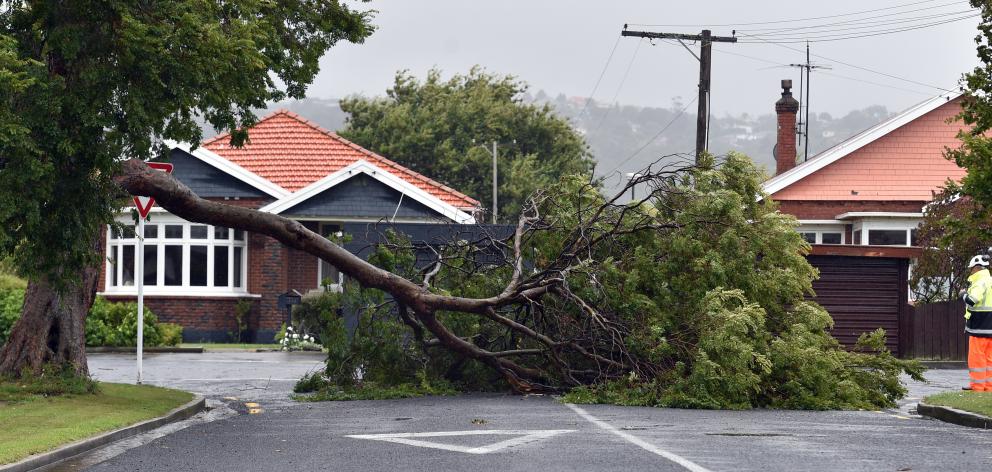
512, 433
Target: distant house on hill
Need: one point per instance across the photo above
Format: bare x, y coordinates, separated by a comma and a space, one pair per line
859, 204
195, 274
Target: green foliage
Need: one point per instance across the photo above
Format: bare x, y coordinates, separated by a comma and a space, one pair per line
116, 324
438, 127
170, 333
975, 154
954, 229
242, 309
368, 391
11, 300
84, 84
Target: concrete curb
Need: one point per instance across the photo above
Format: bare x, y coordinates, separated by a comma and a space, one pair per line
198, 404
187, 350
952, 415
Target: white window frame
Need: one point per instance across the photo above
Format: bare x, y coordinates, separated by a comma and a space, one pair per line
866, 226
819, 229
160, 220
339, 286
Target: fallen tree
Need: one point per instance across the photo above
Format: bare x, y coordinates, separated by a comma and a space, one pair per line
691, 296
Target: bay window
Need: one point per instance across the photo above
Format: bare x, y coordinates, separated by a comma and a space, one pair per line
179, 257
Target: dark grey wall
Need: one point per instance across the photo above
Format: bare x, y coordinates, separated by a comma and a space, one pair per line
361, 196
206, 180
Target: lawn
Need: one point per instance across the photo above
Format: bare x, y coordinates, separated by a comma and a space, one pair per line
975, 402
37, 423
214, 346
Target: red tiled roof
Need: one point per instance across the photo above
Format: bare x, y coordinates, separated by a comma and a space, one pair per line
292, 153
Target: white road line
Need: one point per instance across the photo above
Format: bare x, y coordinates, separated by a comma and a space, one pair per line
524, 436
686, 463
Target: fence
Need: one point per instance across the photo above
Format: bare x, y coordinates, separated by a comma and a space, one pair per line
936, 332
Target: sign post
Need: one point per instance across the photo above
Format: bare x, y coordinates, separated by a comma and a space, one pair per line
144, 205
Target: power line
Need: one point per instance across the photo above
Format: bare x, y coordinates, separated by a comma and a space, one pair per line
843, 37
653, 138
855, 79
848, 64
856, 25
620, 86
794, 20
600, 79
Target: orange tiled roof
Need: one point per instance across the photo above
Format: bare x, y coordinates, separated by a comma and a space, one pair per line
292, 152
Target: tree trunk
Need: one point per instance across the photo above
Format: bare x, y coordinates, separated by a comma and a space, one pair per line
51, 329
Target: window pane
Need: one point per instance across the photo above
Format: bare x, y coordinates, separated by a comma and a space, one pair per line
831, 238
151, 264
113, 266
220, 266
857, 237
151, 231
913, 238
328, 273
239, 235
198, 232
127, 269
174, 231
809, 237
237, 265
198, 266
114, 234
887, 237
220, 233
173, 264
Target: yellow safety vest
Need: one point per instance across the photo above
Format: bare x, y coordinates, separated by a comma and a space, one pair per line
978, 304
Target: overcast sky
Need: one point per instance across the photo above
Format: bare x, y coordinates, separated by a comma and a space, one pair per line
561, 46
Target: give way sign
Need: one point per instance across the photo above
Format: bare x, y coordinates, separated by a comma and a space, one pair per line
145, 204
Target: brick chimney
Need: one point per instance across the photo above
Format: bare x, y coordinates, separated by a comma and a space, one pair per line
785, 147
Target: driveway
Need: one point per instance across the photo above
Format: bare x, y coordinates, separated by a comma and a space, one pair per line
514, 433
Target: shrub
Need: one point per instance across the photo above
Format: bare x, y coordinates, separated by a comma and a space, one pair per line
116, 324
172, 334
11, 300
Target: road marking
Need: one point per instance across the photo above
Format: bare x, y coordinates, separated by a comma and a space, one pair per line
251, 404
524, 436
686, 463
253, 408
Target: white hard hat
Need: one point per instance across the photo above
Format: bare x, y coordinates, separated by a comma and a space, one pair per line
979, 260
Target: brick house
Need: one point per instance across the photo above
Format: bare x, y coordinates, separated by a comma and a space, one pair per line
196, 274
859, 204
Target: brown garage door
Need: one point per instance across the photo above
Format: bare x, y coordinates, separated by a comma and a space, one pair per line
862, 294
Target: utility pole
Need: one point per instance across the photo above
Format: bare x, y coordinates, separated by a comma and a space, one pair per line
706, 40
803, 129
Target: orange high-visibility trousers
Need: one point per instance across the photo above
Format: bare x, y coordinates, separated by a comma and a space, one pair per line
980, 363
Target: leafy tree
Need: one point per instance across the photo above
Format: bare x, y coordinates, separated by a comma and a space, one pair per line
438, 127
975, 153
84, 83
954, 229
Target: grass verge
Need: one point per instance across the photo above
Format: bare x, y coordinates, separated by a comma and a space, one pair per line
975, 402
370, 392
35, 422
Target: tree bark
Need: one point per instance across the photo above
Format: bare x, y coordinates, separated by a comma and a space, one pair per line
51, 329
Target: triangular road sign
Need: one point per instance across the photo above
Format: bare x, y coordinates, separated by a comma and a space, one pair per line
523, 436
145, 204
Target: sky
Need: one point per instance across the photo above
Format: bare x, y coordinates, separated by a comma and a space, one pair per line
562, 46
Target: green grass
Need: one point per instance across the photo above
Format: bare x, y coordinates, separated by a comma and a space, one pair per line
212, 346
975, 402
34, 422
371, 392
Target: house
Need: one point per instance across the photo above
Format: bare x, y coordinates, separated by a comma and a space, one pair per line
859, 204
196, 275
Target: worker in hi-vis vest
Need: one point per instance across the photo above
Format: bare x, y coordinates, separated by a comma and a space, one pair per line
978, 324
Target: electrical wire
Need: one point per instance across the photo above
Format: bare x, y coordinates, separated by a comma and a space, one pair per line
844, 37
855, 79
653, 138
848, 64
620, 86
854, 25
795, 20
600, 79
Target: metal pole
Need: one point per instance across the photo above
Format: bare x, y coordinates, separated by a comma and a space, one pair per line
808, 82
140, 276
494, 182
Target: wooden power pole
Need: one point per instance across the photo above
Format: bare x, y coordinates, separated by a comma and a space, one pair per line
706, 40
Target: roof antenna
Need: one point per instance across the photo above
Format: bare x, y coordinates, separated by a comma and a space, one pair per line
397, 210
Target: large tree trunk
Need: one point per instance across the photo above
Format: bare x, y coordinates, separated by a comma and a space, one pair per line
51, 329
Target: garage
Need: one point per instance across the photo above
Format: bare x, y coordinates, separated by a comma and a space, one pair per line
863, 294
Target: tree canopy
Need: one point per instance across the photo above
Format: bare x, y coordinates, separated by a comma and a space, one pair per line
439, 127
85, 83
